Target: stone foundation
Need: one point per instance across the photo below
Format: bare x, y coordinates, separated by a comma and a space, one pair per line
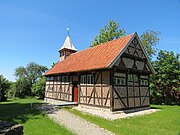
57, 102
107, 114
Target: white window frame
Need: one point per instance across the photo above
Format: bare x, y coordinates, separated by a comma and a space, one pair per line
59, 79
90, 79
130, 77
143, 82
65, 81
83, 79
119, 81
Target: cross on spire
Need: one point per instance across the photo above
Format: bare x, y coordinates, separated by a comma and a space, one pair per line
68, 31
68, 43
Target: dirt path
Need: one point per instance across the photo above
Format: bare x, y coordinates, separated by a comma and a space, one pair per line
74, 123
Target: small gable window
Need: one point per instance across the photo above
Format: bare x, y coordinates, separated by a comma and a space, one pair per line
119, 81
130, 77
143, 82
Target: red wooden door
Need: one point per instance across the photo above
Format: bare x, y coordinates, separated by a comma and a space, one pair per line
75, 94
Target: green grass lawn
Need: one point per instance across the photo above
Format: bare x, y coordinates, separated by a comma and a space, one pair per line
164, 122
34, 122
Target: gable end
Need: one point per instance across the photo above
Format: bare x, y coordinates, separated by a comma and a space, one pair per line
134, 48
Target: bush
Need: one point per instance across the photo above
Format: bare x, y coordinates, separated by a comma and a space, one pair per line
22, 88
4, 85
12, 90
39, 88
156, 98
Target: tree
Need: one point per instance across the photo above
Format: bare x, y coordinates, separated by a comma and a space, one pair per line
32, 72
22, 87
149, 40
53, 64
109, 32
26, 77
167, 78
4, 85
12, 90
39, 88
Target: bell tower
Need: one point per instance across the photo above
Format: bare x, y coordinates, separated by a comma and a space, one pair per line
67, 48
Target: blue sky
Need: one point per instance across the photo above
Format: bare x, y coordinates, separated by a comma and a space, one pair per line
34, 30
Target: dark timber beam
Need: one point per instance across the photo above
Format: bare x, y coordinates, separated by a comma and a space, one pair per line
125, 55
124, 70
111, 76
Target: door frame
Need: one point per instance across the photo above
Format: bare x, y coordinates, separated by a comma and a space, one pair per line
75, 85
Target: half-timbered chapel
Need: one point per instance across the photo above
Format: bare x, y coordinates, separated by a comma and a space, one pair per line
112, 75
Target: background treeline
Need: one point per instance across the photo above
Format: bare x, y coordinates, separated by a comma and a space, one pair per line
29, 82
164, 86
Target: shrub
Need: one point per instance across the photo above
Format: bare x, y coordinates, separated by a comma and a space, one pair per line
39, 87
4, 85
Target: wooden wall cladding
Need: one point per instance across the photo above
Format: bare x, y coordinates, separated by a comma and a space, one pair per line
132, 95
97, 94
57, 90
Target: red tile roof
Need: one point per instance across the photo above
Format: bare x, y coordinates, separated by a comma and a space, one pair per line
98, 57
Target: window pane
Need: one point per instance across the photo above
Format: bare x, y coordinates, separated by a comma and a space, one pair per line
92, 79
88, 79
135, 78
118, 81
115, 81
65, 79
59, 78
84, 79
122, 81
130, 77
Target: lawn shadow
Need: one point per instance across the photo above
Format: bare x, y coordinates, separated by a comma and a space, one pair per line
19, 112
48, 108
156, 107
53, 108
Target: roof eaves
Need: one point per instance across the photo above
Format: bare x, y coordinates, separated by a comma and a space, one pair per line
58, 73
148, 60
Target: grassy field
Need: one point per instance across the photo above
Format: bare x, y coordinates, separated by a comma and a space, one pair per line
164, 122
34, 122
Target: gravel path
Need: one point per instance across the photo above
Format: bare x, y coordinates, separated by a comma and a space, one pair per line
74, 123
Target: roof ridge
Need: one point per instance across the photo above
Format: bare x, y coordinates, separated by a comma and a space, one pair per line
102, 44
